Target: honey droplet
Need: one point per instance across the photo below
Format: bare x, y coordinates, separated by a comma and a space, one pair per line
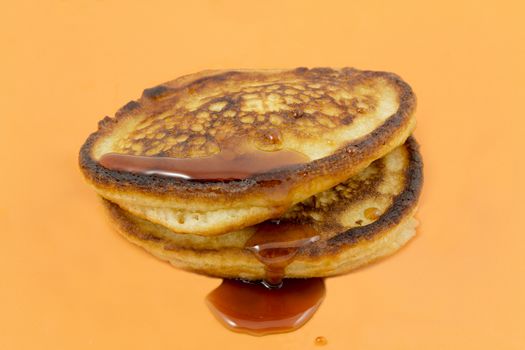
269, 140
321, 341
296, 114
372, 213
273, 137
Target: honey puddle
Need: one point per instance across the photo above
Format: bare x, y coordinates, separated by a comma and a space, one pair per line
255, 309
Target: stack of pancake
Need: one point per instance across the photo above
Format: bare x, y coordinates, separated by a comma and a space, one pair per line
262, 174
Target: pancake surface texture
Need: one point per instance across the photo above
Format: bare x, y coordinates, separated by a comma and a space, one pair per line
350, 236
341, 120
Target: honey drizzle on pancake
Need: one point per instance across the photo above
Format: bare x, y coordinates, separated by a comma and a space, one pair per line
372, 213
276, 244
228, 164
252, 308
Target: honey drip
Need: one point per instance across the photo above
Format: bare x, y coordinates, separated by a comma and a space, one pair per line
276, 244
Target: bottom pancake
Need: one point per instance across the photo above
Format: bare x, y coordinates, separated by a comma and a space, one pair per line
367, 217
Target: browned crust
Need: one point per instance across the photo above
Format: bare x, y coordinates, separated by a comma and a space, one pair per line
355, 154
403, 206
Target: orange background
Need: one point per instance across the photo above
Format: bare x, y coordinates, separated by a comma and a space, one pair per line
67, 281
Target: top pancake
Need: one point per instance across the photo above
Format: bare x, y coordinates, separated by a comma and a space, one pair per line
341, 119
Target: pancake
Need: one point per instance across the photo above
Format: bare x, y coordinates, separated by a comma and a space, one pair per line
340, 120
349, 236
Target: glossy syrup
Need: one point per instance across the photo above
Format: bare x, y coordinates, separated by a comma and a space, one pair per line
372, 213
320, 341
275, 304
255, 309
276, 243
229, 164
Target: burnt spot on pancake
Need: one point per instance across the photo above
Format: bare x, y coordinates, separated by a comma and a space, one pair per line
104, 123
156, 92
301, 70
128, 107
322, 70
